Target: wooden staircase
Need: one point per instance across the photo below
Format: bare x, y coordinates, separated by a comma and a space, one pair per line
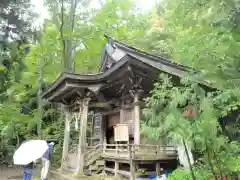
93, 160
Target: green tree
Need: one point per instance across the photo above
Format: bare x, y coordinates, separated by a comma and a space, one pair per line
15, 26
199, 34
46, 54
166, 118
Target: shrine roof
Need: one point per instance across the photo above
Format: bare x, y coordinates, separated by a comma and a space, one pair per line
116, 60
139, 54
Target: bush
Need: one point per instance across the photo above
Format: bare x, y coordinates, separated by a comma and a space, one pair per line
200, 173
56, 156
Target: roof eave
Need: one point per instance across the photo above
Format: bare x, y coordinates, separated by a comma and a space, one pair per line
94, 78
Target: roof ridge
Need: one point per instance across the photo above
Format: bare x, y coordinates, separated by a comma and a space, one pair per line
156, 57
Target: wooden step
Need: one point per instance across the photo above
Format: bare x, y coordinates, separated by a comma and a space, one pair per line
100, 162
92, 161
99, 170
93, 167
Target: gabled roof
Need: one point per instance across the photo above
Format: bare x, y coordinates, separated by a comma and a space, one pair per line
157, 61
116, 59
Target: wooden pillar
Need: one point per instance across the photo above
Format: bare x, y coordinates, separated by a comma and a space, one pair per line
116, 168
121, 115
68, 118
103, 129
132, 163
82, 135
132, 170
104, 168
104, 144
158, 168
136, 115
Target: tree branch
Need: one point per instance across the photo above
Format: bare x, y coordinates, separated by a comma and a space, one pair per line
62, 24
188, 159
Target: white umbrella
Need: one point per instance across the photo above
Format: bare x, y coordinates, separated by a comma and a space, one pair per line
30, 151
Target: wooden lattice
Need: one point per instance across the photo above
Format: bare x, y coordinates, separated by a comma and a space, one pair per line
128, 119
97, 124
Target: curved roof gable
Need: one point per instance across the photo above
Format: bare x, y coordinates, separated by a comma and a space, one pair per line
116, 50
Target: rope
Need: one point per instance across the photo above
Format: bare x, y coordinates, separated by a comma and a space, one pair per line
77, 116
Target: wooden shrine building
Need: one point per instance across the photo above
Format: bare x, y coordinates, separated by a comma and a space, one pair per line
114, 95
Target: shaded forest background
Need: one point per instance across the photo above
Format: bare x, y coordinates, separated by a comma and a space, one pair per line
201, 34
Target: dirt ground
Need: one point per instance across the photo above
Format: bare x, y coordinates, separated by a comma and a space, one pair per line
10, 173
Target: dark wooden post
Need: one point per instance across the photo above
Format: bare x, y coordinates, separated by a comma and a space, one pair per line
158, 168
132, 163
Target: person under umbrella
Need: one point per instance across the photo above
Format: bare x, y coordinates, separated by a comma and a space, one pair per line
27, 173
46, 161
27, 153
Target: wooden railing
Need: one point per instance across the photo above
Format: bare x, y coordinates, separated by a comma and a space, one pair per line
120, 172
123, 151
93, 154
142, 151
93, 141
73, 148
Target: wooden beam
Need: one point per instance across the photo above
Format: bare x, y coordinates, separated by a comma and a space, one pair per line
76, 88
153, 74
58, 93
71, 92
72, 87
154, 65
116, 110
103, 104
120, 172
92, 87
102, 98
115, 83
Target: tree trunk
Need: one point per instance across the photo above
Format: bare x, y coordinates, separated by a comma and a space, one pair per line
68, 52
40, 102
16, 133
188, 158
218, 165
210, 163
18, 141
